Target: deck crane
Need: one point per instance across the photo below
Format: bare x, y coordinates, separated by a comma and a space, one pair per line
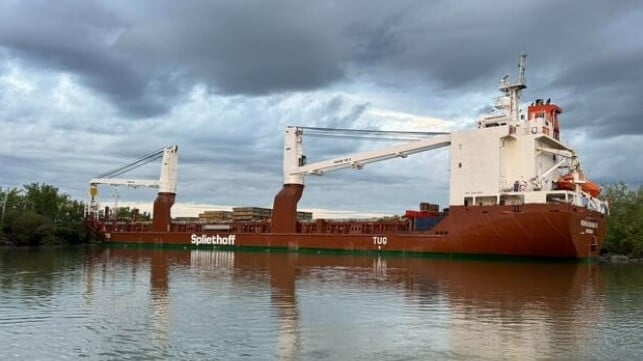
166, 183
295, 168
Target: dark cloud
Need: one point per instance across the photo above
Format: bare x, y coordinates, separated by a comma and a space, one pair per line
76, 37
141, 60
141, 57
603, 93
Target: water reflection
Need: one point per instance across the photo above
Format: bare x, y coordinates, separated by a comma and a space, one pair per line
160, 297
141, 303
283, 299
517, 308
514, 310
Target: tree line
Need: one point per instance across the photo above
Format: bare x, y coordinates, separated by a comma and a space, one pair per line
39, 214
625, 223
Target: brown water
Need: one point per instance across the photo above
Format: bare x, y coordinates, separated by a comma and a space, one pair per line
129, 304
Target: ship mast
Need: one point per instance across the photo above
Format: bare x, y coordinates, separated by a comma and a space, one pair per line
512, 92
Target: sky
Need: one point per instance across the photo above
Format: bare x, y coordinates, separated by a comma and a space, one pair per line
87, 86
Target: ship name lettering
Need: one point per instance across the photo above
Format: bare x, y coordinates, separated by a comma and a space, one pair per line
344, 160
380, 240
213, 240
589, 224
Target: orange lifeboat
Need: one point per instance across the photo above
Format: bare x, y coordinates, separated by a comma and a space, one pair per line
567, 182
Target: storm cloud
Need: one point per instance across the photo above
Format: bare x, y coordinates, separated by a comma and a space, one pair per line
107, 81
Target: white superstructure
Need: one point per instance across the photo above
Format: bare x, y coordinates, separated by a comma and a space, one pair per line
514, 158
511, 158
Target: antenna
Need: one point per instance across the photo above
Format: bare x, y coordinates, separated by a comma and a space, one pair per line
522, 66
512, 91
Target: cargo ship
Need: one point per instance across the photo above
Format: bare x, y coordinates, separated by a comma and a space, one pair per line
515, 190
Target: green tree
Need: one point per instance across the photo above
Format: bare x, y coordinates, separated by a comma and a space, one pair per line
625, 224
11, 202
131, 214
30, 228
45, 200
40, 214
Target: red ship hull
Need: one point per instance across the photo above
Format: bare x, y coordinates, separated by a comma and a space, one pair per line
536, 230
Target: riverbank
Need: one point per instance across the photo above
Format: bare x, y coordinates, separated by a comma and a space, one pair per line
618, 258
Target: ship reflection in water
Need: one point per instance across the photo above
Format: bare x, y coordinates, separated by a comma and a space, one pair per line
320, 306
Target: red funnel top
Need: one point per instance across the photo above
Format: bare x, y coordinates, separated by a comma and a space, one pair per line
544, 110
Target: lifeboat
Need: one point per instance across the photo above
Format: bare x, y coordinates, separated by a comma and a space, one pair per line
566, 182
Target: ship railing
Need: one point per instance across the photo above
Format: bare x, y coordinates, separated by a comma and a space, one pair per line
519, 198
123, 226
584, 200
503, 198
325, 226
593, 203
560, 196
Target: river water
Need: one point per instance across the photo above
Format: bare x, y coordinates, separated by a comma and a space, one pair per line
151, 304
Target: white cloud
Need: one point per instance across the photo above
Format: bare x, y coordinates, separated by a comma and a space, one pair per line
397, 120
14, 83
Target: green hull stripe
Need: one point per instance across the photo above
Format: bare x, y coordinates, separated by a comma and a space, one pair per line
430, 255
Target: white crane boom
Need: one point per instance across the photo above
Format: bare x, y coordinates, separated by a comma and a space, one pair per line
295, 169
133, 183
166, 182
167, 178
